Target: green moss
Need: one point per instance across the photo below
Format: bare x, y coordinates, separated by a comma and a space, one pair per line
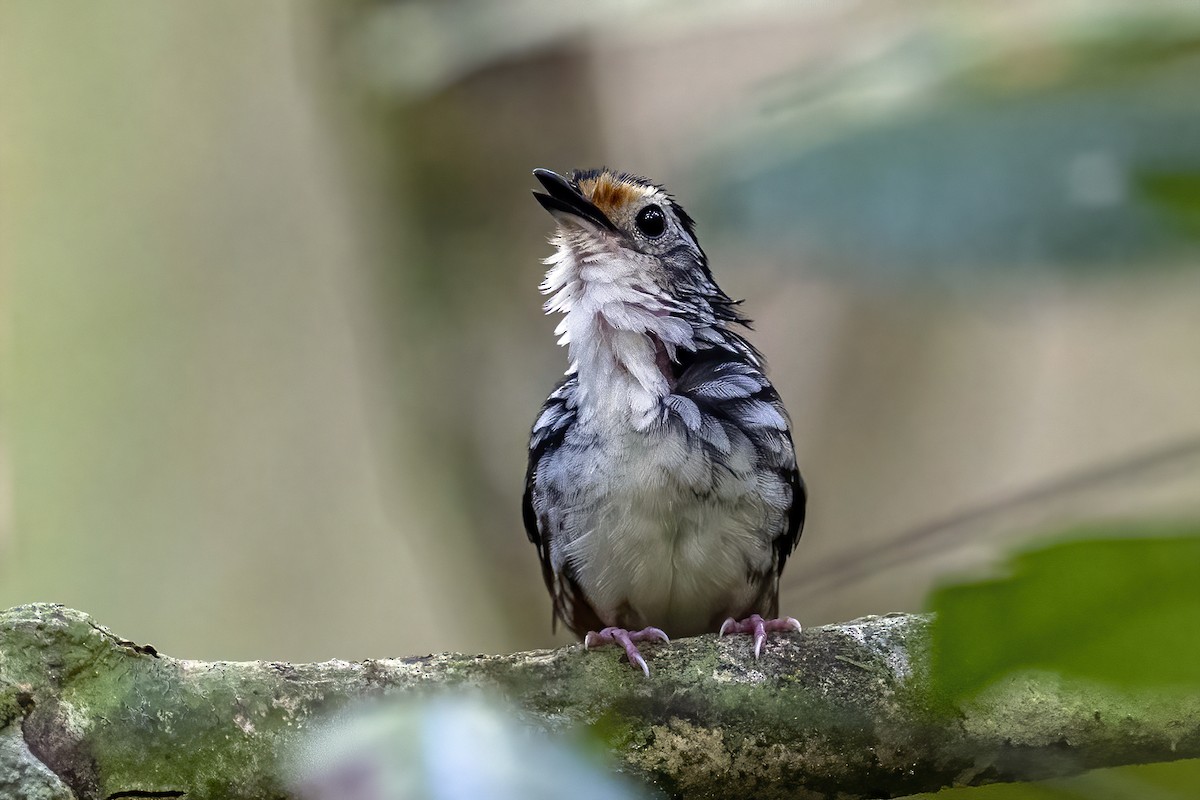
846, 709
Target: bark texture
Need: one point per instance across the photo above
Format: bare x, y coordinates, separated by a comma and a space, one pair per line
842, 711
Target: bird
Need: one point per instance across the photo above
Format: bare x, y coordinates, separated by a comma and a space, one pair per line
662, 490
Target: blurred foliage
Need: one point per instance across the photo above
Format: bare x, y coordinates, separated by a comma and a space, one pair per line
1116, 48
946, 154
1106, 608
1178, 780
1113, 605
1178, 194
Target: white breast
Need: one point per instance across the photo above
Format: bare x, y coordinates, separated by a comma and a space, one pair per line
649, 547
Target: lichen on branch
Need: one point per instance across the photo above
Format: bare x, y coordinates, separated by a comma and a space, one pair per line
842, 710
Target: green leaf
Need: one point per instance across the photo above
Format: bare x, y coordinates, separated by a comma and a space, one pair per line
1125, 611
1178, 780
938, 160
1177, 195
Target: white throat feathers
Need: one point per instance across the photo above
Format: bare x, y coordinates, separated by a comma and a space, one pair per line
621, 333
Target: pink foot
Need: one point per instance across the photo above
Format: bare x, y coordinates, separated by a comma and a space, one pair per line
759, 627
626, 639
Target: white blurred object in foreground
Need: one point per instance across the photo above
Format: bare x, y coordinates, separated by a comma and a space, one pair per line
446, 749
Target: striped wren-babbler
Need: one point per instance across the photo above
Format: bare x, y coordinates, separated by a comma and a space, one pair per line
662, 491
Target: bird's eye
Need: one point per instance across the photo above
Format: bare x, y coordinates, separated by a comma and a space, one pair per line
651, 221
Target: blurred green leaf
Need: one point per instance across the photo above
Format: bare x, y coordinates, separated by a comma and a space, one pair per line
1119, 610
1177, 194
1178, 780
1022, 157
1126, 47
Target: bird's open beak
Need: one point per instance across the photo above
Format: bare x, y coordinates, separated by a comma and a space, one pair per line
561, 199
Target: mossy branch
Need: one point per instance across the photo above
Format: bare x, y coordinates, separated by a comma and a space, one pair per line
844, 710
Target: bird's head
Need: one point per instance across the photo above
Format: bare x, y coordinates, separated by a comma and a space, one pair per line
622, 231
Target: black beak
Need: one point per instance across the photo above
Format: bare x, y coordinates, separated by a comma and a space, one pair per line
562, 198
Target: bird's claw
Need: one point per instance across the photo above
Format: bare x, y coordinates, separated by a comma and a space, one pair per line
759, 627
626, 639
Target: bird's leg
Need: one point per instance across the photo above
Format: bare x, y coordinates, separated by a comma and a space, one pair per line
626, 639
759, 627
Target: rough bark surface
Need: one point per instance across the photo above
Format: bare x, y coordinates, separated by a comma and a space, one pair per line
841, 711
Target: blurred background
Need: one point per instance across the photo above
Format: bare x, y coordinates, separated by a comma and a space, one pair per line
271, 339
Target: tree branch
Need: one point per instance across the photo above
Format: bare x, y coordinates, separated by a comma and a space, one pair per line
842, 710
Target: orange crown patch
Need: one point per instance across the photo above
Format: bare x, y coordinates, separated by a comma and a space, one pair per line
610, 194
